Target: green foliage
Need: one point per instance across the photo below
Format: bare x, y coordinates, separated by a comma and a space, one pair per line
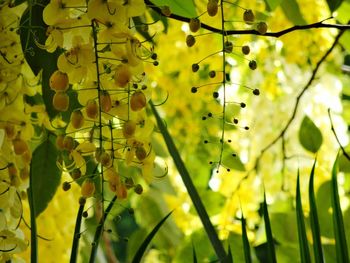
292, 12
338, 223
310, 136
245, 241
314, 222
273, 4
183, 8
334, 4
271, 254
138, 255
303, 242
44, 174
232, 162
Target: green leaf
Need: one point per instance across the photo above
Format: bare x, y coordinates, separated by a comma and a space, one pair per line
232, 162
310, 136
163, 20
303, 243
314, 223
179, 7
344, 163
140, 23
138, 255
245, 241
272, 4
194, 254
334, 4
192, 191
292, 12
270, 242
44, 174
338, 223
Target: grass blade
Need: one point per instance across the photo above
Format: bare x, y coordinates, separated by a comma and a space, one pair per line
338, 223
33, 230
270, 242
246, 246
303, 243
197, 202
194, 254
314, 223
139, 253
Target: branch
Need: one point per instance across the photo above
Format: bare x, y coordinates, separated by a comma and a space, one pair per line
336, 137
250, 31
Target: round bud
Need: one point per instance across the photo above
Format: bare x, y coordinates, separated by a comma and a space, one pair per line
59, 81
195, 67
10, 131
59, 142
195, 24
19, 146
68, 143
77, 119
243, 105
190, 40
138, 189
212, 7
60, 101
98, 153
91, 109
245, 50
87, 188
85, 214
248, 16
228, 46
252, 65
129, 183
256, 92
137, 101
66, 186
212, 74
106, 159
105, 101
154, 56
194, 89
140, 153
75, 174
215, 94
166, 10
122, 76
261, 28
129, 128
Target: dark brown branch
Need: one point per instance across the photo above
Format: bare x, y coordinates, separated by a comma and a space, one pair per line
251, 31
336, 137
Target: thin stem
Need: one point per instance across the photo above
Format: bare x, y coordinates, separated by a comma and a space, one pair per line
76, 236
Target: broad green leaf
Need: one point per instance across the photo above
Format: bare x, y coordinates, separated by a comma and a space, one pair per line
314, 223
310, 136
179, 7
232, 162
138, 256
325, 214
245, 241
303, 243
334, 4
44, 174
338, 223
269, 238
342, 14
292, 12
272, 4
192, 191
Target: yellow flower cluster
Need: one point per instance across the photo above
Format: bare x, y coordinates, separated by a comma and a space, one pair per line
102, 63
16, 130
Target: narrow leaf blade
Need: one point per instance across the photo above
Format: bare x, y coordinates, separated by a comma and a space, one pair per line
334, 4
303, 243
314, 223
270, 242
246, 246
139, 253
338, 223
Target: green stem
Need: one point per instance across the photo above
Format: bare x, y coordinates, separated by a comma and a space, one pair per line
33, 231
76, 237
197, 202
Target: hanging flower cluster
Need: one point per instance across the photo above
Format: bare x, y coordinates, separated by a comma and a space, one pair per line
16, 131
102, 64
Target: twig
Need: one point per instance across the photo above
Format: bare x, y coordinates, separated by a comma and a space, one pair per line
251, 31
295, 109
336, 137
